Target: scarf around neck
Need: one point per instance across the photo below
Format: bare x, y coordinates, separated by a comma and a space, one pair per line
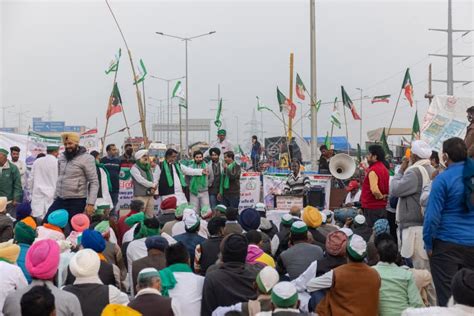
197, 182
169, 176
168, 281
146, 168
225, 181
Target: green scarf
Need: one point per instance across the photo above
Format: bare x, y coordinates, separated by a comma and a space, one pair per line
197, 182
168, 281
169, 177
101, 166
7, 261
146, 168
225, 181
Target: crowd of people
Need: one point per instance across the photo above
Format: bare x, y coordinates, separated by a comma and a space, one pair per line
68, 248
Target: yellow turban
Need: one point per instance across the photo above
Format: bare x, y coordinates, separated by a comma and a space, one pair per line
74, 137
312, 217
9, 251
119, 310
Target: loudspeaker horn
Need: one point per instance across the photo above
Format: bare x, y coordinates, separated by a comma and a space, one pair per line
342, 166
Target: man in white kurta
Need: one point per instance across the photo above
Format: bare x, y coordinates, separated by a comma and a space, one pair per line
222, 143
42, 179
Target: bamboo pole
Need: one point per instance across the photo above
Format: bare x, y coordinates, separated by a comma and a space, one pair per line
394, 112
290, 120
139, 99
108, 105
347, 130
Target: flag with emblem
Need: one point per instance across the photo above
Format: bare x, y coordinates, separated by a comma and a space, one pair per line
300, 88
286, 104
115, 102
346, 101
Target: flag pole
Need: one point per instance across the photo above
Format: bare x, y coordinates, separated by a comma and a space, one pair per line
290, 120
139, 99
347, 131
108, 105
394, 112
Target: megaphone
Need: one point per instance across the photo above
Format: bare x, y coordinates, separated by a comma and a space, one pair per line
342, 166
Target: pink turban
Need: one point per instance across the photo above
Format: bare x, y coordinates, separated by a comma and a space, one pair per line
80, 222
42, 259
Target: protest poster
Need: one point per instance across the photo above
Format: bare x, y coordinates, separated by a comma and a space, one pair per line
445, 118
249, 189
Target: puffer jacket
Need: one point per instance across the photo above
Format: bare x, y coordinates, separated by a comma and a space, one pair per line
77, 178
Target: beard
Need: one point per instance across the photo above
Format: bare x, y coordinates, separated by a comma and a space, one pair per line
71, 154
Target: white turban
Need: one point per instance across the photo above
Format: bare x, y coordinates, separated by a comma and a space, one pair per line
139, 154
85, 264
421, 149
3, 203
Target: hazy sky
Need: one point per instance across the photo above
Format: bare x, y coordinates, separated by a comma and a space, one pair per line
54, 53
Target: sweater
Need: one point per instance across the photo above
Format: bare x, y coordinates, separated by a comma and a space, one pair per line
10, 182
368, 200
446, 217
229, 284
354, 291
234, 181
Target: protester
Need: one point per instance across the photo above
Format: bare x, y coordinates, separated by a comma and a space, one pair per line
313, 218
178, 282
281, 240
220, 210
398, 290
190, 238
335, 254
221, 143
178, 217
353, 194
127, 160
85, 268
6, 222
54, 228
170, 176
285, 300
42, 260
232, 282
353, 288
249, 219
324, 160
296, 182
255, 153
264, 283
156, 246
375, 187
447, 228
359, 227
42, 182
20, 164
198, 185
232, 225
38, 301
180, 227
267, 226
300, 254
11, 276
407, 186
469, 138
10, 182
214, 180
255, 255
229, 193
79, 223
167, 207
24, 237
77, 185
207, 253
326, 227
111, 162
147, 226
149, 300
136, 206
144, 184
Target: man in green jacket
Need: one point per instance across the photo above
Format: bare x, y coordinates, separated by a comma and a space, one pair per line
10, 182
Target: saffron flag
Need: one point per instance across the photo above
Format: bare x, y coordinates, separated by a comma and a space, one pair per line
115, 102
408, 87
346, 101
218, 122
381, 99
415, 130
286, 104
300, 88
114, 63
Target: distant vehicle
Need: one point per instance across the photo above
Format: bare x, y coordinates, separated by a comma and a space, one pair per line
157, 150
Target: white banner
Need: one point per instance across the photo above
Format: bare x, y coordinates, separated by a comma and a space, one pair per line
445, 118
274, 184
249, 189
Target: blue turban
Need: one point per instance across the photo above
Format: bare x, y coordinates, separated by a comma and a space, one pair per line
249, 219
381, 226
23, 210
92, 239
59, 218
156, 242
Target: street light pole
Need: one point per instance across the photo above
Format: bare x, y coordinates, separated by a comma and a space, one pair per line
314, 113
186, 40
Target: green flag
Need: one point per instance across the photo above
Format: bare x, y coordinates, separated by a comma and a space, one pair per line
218, 122
141, 73
114, 63
178, 93
335, 115
415, 130
261, 107
327, 141
386, 149
359, 153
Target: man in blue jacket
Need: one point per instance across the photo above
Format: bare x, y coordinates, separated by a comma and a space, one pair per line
112, 164
448, 226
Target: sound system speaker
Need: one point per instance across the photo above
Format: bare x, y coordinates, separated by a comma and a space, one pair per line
316, 197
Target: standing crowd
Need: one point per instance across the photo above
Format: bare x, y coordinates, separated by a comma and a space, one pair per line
184, 247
